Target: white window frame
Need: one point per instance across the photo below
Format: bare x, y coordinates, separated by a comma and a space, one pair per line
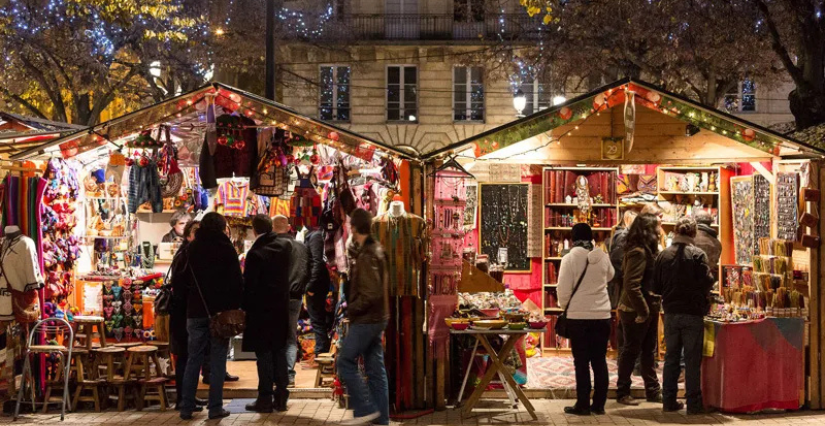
335, 85
740, 95
402, 93
536, 97
468, 94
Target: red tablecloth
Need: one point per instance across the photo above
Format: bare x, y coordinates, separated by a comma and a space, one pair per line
756, 366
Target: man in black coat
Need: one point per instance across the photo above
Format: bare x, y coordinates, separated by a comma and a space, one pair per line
266, 302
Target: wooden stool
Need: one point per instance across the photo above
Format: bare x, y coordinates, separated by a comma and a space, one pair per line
106, 357
85, 330
126, 345
164, 353
87, 384
144, 356
325, 377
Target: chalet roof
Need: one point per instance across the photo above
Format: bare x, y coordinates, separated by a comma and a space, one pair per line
647, 96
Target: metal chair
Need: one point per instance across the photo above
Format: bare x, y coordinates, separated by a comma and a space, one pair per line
56, 327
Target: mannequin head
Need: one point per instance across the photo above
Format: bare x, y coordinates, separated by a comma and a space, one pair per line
397, 206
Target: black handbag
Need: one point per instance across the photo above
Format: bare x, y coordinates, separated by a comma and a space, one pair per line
226, 324
562, 327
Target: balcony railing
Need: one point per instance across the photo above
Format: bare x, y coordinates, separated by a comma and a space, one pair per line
399, 27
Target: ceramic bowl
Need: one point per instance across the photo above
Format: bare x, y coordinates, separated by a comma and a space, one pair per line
537, 324
517, 325
491, 324
516, 317
493, 313
451, 321
460, 325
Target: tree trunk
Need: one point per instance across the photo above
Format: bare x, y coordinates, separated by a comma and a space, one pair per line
807, 107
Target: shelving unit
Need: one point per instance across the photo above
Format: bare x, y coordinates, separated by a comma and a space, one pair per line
551, 230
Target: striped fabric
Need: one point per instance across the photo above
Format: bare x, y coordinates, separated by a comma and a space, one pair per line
233, 197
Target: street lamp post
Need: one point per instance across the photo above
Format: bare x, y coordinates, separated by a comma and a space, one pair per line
519, 103
270, 49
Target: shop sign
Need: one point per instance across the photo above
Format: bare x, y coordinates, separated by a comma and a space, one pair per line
612, 149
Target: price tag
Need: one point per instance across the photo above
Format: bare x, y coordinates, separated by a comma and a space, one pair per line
502, 255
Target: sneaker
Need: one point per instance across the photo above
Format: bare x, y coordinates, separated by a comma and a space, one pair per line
219, 415
627, 400
655, 397
671, 408
577, 411
363, 420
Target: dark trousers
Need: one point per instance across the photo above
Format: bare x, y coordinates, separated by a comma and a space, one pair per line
180, 368
321, 321
639, 339
588, 339
272, 370
683, 334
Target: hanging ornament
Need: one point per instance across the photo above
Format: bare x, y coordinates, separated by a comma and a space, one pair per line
565, 113
748, 135
333, 136
629, 117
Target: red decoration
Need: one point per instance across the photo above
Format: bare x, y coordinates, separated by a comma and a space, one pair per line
333, 136
565, 113
748, 134
314, 159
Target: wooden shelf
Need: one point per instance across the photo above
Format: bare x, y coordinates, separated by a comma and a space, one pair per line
687, 193
576, 205
552, 258
568, 228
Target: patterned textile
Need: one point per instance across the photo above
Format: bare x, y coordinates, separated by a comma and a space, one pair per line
144, 185
402, 238
305, 205
774, 348
233, 197
278, 206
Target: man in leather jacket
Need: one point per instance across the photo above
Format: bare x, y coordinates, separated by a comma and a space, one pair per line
367, 297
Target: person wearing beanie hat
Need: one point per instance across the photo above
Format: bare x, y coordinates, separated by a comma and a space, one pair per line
582, 291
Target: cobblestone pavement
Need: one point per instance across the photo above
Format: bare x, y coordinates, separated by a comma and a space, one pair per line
320, 412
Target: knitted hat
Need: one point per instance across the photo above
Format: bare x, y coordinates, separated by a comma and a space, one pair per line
582, 232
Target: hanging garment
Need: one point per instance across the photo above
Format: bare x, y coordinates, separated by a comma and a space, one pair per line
278, 206
271, 177
233, 196
305, 205
144, 185
403, 241
19, 273
226, 160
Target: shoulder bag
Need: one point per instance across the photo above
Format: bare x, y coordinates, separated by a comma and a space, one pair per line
163, 301
226, 324
562, 327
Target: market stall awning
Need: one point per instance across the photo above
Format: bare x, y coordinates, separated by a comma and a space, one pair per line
611, 107
19, 133
189, 111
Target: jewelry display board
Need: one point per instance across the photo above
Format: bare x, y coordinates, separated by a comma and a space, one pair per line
741, 188
787, 210
504, 224
761, 210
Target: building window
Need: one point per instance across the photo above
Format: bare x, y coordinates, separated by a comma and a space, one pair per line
334, 100
538, 98
402, 93
468, 10
743, 99
468, 94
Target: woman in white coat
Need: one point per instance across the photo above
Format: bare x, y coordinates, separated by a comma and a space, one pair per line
582, 289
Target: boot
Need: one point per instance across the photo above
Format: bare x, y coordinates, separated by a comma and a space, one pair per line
260, 405
280, 399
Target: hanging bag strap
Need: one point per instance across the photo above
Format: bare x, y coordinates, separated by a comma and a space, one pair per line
576, 288
197, 286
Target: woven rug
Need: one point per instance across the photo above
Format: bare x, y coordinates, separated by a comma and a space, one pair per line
559, 373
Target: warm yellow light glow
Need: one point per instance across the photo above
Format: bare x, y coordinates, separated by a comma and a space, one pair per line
220, 32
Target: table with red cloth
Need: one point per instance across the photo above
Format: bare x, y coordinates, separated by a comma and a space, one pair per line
756, 365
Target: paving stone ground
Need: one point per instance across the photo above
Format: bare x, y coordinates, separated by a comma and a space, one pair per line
323, 412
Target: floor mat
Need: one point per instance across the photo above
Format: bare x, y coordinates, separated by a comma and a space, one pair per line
559, 373
238, 405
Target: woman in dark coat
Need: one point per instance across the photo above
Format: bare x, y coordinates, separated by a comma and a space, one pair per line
266, 302
177, 313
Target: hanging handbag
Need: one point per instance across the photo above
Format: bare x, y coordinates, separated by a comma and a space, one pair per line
163, 301
226, 324
562, 327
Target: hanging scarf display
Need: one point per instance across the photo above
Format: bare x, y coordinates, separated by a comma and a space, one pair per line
305, 205
61, 247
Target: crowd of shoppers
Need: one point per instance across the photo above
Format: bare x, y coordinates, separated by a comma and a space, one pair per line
278, 273
676, 280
